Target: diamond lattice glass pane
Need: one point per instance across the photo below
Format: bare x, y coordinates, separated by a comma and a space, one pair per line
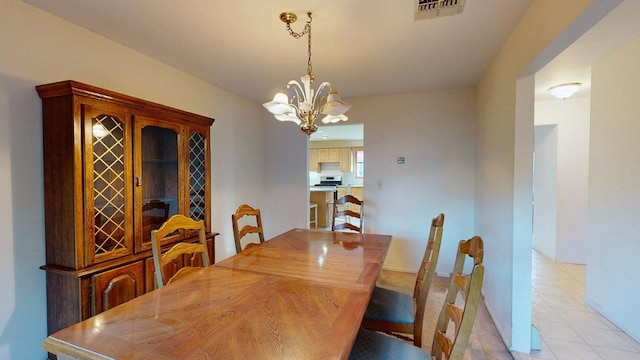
108, 184
197, 190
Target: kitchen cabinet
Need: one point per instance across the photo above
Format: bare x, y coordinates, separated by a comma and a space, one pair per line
314, 166
334, 155
328, 155
345, 160
323, 155
115, 168
343, 156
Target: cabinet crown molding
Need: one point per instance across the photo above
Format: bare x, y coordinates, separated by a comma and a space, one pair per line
71, 87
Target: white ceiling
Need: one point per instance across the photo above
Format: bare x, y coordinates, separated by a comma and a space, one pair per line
339, 132
618, 28
363, 48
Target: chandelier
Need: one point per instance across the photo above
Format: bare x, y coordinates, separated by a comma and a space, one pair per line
301, 104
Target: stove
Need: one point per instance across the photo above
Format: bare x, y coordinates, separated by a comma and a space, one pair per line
330, 181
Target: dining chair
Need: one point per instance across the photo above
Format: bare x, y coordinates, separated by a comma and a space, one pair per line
397, 313
343, 214
450, 342
157, 205
347, 191
154, 214
239, 233
181, 258
373, 345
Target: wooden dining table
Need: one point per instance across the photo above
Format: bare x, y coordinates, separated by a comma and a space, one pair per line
300, 295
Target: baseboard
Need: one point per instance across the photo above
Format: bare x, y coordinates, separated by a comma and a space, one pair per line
500, 330
595, 306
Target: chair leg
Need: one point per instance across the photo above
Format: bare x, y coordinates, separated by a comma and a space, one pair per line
314, 221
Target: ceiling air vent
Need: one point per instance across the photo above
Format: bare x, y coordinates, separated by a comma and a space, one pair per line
431, 9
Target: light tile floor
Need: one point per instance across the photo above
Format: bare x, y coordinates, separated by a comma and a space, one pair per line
569, 328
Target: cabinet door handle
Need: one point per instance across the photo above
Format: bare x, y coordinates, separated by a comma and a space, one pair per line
138, 181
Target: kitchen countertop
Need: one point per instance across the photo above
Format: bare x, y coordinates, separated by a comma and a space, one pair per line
320, 189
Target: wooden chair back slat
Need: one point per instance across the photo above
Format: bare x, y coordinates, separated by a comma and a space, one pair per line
445, 343
342, 212
239, 233
455, 314
462, 282
452, 346
182, 255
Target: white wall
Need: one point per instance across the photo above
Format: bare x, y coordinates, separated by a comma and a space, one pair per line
613, 243
545, 184
434, 131
38, 48
521, 280
572, 119
501, 196
286, 198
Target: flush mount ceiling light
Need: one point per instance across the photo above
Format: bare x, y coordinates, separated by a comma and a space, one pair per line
300, 103
564, 91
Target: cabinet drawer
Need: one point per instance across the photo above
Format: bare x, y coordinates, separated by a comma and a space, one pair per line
117, 286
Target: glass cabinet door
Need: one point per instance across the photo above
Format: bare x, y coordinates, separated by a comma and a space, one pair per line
198, 186
108, 165
157, 176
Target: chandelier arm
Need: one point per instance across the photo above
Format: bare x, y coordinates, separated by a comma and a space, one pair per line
319, 92
298, 89
297, 110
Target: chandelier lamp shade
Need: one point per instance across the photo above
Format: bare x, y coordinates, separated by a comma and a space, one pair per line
298, 101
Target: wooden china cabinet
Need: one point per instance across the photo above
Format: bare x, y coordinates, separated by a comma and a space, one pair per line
115, 168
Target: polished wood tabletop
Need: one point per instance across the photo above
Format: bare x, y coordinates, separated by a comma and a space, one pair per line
332, 257
300, 295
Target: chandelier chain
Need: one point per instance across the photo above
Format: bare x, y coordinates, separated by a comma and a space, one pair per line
307, 31
309, 67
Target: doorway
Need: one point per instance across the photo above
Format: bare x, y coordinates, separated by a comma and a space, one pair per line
335, 151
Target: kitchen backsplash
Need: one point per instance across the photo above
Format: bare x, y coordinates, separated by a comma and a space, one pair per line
329, 169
